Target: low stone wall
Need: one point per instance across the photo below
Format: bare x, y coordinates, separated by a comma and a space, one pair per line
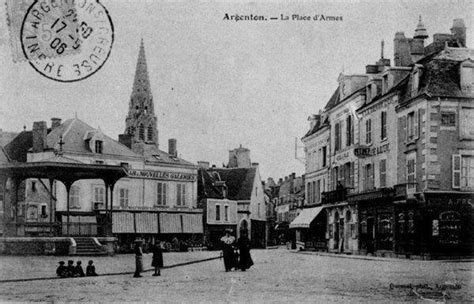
36, 245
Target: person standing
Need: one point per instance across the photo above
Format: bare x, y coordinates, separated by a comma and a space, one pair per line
138, 258
228, 250
157, 260
245, 260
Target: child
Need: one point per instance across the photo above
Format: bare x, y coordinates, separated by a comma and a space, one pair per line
61, 270
90, 270
78, 271
70, 269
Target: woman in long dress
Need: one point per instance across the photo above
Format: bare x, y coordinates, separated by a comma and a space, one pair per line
245, 260
228, 250
138, 258
157, 261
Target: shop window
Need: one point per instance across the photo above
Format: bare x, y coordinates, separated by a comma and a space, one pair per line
385, 224
411, 222
363, 227
449, 228
401, 223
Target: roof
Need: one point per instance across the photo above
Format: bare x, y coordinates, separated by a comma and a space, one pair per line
76, 134
17, 149
239, 182
153, 155
304, 219
333, 101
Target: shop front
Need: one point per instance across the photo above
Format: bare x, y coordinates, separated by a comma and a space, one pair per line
310, 229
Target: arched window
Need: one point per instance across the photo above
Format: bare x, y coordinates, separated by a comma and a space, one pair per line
141, 132
348, 216
149, 133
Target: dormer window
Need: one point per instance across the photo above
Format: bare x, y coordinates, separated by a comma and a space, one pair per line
467, 76
98, 146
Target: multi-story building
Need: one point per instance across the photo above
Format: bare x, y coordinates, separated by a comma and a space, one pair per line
233, 197
395, 133
157, 198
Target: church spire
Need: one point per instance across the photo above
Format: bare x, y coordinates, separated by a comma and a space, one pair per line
141, 122
141, 84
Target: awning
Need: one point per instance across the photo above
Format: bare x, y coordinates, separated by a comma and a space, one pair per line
281, 226
122, 222
192, 223
170, 223
306, 217
146, 222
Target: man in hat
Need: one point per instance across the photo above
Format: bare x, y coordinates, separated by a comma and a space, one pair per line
138, 258
70, 269
61, 270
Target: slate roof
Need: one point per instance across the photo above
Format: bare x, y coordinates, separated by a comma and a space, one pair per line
17, 149
154, 155
239, 182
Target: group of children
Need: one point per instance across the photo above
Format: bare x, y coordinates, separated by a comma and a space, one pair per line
70, 270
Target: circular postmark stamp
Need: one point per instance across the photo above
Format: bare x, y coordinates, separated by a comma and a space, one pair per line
67, 40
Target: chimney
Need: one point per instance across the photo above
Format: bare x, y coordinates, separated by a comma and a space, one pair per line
55, 122
125, 139
203, 164
401, 50
40, 130
172, 147
459, 32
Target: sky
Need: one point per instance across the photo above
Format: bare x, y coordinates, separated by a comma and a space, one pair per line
218, 84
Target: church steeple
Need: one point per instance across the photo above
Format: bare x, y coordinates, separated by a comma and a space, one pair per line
141, 121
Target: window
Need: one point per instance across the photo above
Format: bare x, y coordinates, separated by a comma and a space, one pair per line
415, 82
348, 175
324, 156
141, 132
43, 211
181, 195
161, 194
334, 177
149, 133
368, 177
318, 191
33, 186
99, 195
368, 131
337, 137
383, 125
411, 174
383, 172
448, 119
258, 211
467, 76
412, 126
226, 212
310, 192
74, 195
385, 83
123, 197
98, 146
463, 171
349, 131
218, 212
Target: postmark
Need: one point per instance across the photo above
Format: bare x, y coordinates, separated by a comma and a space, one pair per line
52, 28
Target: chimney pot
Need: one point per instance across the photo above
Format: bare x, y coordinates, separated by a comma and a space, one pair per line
55, 122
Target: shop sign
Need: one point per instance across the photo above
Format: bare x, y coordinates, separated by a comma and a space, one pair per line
161, 175
367, 151
342, 156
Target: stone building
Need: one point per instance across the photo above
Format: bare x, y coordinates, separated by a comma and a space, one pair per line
155, 199
395, 132
233, 197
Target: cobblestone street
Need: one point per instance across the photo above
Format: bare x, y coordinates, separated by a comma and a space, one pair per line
277, 276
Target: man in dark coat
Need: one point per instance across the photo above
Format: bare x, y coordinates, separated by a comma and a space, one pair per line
245, 260
138, 258
61, 271
157, 260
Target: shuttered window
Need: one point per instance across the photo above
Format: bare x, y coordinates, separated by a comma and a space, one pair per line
456, 171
